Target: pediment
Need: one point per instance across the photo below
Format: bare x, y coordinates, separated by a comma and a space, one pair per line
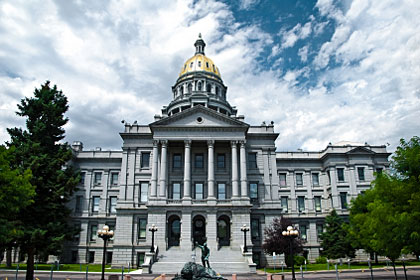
360, 151
198, 117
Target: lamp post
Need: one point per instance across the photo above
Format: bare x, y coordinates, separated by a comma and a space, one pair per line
153, 229
105, 234
245, 229
291, 234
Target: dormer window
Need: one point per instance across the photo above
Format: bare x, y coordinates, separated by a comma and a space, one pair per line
199, 64
214, 68
191, 65
199, 86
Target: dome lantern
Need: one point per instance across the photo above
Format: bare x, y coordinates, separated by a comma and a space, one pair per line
199, 45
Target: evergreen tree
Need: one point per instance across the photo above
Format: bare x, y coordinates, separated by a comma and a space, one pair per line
38, 148
335, 241
275, 242
16, 192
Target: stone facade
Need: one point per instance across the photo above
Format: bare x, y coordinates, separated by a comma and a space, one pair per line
199, 173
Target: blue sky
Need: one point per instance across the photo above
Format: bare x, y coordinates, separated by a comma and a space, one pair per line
323, 71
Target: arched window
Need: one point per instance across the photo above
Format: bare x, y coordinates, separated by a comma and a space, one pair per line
199, 86
217, 91
208, 87
199, 64
189, 88
181, 89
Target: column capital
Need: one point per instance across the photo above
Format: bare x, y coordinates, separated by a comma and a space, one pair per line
164, 142
233, 143
210, 143
242, 142
187, 143
155, 142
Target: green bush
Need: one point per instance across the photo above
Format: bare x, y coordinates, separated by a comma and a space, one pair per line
299, 260
321, 260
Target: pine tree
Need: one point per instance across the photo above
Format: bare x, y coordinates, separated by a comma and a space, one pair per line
38, 148
335, 241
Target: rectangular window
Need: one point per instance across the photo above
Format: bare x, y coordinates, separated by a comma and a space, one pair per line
340, 174
145, 159
108, 257
252, 160
74, 256
93, 232
112, 204
317, 203
177, 161
142, 228
282, 177
253, 190
343, 198
199, 161
79, 201
198, 191
303, 234
284, 204
176, 191
82, 177
91, 257
97, 178
315, 179
144, 188
140, 259
95, 203
301, 203
114, 179
76, 237
221, 191
221, 161
255, 228
319, 231
299, 179
361, 173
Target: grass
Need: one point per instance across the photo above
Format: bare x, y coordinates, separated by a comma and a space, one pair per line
68, 267
360, 265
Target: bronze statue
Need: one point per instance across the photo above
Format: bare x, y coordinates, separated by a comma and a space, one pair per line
205, 253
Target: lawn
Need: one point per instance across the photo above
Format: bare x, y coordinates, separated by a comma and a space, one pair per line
68, 267
360, 265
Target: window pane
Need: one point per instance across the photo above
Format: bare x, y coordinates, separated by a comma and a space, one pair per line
114, 179
301, 203
253, 190
177, 161
315, 179
284, 204
82, 177
282, 177
299, 179
255, 229
252, 160
343, 198
220, 160
145, 157
317, 203
340, 174
93, 232
303, 232
95, 204
144, 187
79, 200
199, 161
319, 230
176, 191
142, 228
199, 191
221, 191
97, 178
361, 173
112, 204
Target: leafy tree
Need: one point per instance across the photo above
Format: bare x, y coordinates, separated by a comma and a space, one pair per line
336, 241
16, 192
275, 242
38, 148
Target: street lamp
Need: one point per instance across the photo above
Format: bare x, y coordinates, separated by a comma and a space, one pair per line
105, 234
245, 229
153, 229
291, 234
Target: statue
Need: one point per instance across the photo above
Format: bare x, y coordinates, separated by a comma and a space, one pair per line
205, 253
193, 271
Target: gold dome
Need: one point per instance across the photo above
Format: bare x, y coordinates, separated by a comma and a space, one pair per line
199, 62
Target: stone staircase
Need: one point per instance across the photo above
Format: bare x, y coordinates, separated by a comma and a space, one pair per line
225, 261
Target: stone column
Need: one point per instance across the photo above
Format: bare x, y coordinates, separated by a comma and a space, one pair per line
153, 188
163, 155
210, 176
244, 183
235, 186
187, 169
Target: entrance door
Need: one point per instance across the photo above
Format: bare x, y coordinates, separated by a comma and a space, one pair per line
199, 230
174, 231
223, 231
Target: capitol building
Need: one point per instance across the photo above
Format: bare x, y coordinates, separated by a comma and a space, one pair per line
199, 173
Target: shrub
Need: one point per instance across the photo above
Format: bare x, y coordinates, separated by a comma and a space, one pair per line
299, 260
321, 260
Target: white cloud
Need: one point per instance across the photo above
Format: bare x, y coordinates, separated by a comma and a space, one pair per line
247, 4
303, 53
298, 32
